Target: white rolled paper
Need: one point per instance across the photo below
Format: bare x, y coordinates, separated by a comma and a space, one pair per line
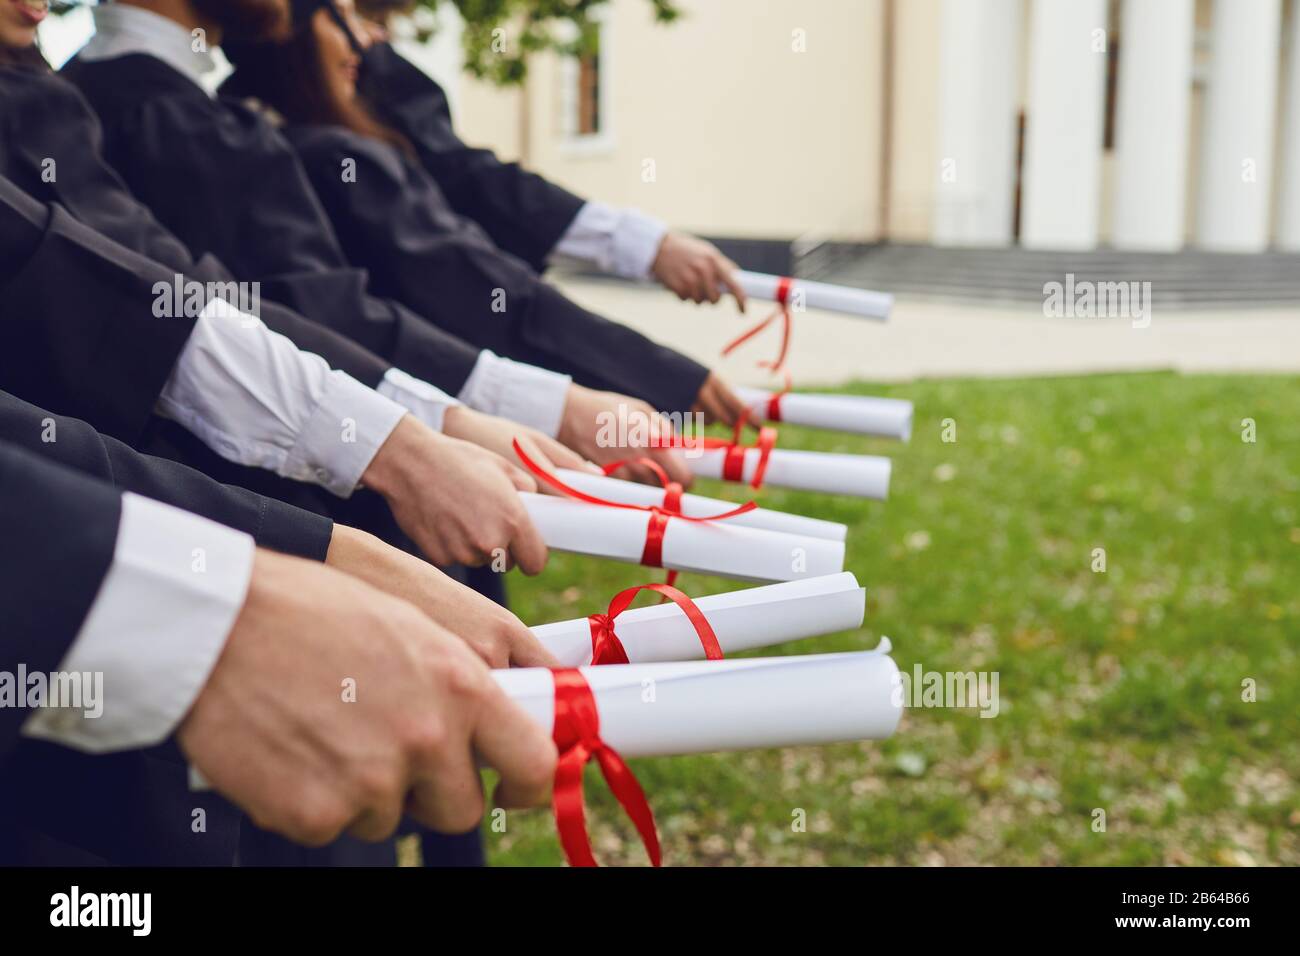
819, 295
662, 710
698, 506
691, 707
859, 414
741, 620
863, 476
710, 547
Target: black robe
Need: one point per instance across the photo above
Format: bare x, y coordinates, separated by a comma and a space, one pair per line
227, 185
163, 134
50, 147
395, 221
522, 212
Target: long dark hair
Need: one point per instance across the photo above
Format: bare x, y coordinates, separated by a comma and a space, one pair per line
290, 78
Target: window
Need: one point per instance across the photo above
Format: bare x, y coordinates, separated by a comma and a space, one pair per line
589, 95
584, 96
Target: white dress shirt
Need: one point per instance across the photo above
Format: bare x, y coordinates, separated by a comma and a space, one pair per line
496, 386
255, 398
155, 629
624, 242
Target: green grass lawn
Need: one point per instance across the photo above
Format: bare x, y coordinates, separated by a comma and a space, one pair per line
1119, 690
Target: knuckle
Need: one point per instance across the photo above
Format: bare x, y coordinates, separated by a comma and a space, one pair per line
316, 818
466, 679
377, 784
428, 739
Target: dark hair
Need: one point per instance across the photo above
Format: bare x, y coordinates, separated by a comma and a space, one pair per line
290, 78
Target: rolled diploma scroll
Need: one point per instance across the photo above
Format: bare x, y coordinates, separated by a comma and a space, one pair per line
754, 617
709, 706
634, 493
819, 295
863, 476
709, 547
859, 414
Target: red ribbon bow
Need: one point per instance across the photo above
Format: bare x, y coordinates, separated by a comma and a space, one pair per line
606, 648
671, 506
652, 553
733, 463
782, 312
577, 736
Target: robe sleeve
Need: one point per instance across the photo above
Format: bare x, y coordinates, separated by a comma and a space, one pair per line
75, 444
393, 220
255, 210
523, 213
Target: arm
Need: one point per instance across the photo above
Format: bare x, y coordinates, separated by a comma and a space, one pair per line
57, 532
525, 213
247, 662
522, 212
76, 445
392, 219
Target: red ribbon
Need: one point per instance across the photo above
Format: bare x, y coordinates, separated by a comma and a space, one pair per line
577, 736
606, 648
733, 463
652, 553
774, 400
672, 506
781, 312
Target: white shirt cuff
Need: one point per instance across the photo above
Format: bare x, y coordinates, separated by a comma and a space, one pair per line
256, 399
622, 241
154, 631
426, 402
338, 442
522, 393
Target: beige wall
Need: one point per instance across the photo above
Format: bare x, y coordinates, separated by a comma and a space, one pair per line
748, 138
914, 148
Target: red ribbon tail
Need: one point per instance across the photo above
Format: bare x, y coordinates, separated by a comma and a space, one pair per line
569, 808
627, 790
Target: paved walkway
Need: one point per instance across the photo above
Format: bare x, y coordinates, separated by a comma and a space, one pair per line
933, 339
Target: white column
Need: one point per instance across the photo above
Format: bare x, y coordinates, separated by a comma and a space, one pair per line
979, 84
1288, 212
1151, 124
1063, 125
1237, 143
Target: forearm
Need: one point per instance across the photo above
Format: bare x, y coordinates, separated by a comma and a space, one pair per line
256, 399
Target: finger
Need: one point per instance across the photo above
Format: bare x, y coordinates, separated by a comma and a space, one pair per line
565, 457
448, 797
675, 465
521, 751
701, 286
526, 650
731, 406
528, 548
377, 823
713, 282
535, 451
732, 282
518, 477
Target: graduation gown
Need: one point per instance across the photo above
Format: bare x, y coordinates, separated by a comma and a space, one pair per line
395, 220
58, 529
163, 134
522, 212
226, 184
50, 147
